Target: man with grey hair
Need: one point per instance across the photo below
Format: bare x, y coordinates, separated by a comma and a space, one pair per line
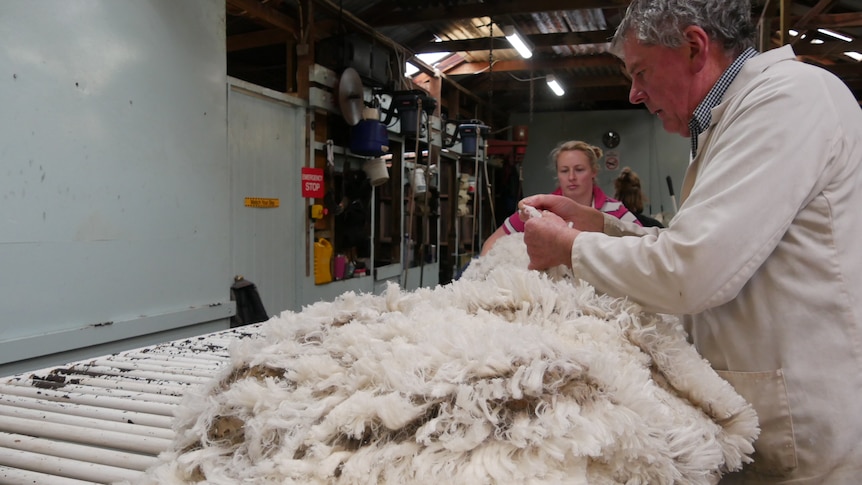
762, 260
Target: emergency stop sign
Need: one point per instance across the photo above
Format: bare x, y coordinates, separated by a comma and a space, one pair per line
312, 183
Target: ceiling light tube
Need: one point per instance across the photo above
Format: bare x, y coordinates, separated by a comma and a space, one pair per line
555, 86
836, 35
519, 43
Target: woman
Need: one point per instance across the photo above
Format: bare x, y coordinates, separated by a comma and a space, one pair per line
577, 165
628, 191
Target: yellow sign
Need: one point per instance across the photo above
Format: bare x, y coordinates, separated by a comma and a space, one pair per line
261, 202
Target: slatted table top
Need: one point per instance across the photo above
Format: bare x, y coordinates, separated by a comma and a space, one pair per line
102, 420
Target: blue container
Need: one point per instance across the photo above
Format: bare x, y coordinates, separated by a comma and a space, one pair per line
369, 138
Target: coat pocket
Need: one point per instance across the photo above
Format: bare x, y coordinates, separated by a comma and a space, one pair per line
775, 448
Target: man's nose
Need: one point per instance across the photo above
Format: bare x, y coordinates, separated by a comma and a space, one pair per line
636, 95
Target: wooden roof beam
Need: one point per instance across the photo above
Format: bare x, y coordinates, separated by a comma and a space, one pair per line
600, 60
256, 10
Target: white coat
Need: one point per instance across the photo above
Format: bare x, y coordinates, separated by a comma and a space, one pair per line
764, 259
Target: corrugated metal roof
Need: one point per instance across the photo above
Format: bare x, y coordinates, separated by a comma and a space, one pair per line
569, 42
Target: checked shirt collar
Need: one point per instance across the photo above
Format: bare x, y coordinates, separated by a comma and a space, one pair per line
702, 116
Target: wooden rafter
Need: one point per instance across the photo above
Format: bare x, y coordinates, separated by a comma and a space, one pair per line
267, 15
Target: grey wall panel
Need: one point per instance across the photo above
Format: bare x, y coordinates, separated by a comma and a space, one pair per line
267, 152
114, 178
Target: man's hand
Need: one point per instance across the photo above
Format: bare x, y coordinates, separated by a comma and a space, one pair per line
583, 218
549, 241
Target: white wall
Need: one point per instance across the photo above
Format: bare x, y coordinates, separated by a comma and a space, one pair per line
115, 182
645, 147
266, 147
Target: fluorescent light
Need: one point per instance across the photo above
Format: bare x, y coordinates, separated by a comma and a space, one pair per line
555, 85
832, 33
519, 43
854, 55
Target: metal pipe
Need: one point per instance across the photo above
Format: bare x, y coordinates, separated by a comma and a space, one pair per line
119, 393
139, 365
13, 475
77, 434
90, 423
73, 451
64, 467
183, 360
159, 376
100, 401
115, 382
76, 409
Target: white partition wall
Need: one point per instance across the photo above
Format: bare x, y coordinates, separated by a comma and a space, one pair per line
115, 180
266, 138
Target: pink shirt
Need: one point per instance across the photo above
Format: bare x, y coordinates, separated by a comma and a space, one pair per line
600, 201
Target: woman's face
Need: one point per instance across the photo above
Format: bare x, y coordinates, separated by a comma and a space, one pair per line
575, 175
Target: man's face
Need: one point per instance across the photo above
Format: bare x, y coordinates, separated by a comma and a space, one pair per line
663, 81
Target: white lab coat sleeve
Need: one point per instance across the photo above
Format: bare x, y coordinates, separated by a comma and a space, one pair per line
757, 167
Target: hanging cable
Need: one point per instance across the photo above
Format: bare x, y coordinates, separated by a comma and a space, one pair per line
426, 223
532, 94
411, 204
487, 184
491, 73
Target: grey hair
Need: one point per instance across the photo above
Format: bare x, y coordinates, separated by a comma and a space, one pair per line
662, 22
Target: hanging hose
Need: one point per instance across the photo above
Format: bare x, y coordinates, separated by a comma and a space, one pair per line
477, 196
426, 226
488, 186
411, 204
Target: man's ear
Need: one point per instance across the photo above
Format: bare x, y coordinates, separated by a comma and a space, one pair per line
696, 41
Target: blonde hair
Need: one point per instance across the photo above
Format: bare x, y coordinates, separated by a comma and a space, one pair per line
593, 153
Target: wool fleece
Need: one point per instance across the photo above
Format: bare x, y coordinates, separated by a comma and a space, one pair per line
505, 376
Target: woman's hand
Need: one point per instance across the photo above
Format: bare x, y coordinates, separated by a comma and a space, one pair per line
583, 218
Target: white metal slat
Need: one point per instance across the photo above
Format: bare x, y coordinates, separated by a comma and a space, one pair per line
179, 360
98, 401
164, 375
74, 451
110, 382
177, 372
66, 432
9, 475
76, 409
113, 393
90, 423
63, 467
104, 420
